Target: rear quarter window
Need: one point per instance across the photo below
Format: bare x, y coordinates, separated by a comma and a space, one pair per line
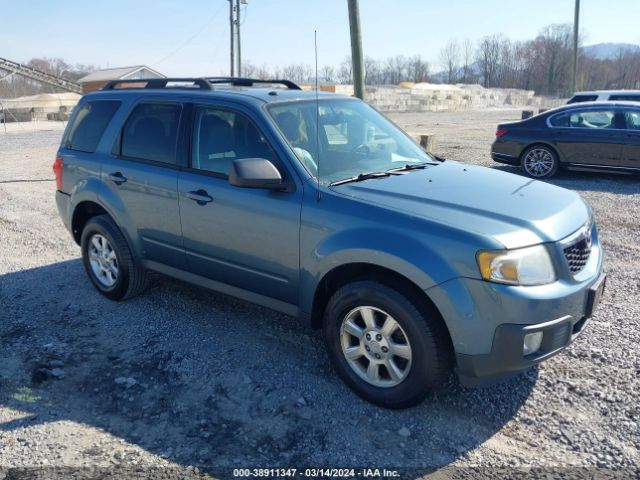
89, 125
560, 120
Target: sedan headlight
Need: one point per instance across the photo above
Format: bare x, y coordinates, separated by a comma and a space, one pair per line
522, 266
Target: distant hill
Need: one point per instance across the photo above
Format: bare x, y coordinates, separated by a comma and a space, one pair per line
608, 51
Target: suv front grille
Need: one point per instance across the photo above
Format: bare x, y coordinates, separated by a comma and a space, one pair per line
577, 255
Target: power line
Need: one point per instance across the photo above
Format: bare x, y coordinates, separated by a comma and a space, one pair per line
188, 40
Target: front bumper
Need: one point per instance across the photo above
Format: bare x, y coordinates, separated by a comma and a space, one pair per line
505, 158
487, 321
506, 356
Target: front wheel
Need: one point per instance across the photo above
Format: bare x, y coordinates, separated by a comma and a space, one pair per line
386, 349
539, 162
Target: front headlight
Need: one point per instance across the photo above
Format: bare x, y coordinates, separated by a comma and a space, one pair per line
522, 266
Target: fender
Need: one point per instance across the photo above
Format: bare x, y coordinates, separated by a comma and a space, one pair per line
118, 211
92, 189
389, 248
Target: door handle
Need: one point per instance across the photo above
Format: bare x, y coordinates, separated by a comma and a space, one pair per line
201, 197
117, 178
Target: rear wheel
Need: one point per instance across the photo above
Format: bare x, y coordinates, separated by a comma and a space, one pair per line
539, 161
108, 260
383, 347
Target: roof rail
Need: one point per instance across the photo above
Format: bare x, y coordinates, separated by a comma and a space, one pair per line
200, 83
249, 82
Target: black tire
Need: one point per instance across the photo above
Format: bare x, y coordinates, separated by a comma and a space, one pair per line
542, 150
430, 354
131, 279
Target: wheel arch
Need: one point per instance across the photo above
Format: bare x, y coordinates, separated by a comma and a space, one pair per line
350, 272
82, 213
86, 210
542, 143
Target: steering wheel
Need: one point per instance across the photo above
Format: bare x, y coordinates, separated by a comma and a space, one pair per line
362, 149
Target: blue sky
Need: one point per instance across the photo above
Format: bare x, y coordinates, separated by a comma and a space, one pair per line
192, 37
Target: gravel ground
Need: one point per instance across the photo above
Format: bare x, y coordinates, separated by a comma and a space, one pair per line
185, 380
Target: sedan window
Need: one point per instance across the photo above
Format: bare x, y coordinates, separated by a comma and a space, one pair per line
632, 119
561, 120
593, 119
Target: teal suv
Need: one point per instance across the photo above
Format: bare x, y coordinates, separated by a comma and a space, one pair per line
319, 207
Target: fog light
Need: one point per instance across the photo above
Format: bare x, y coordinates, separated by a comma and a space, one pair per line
532, 343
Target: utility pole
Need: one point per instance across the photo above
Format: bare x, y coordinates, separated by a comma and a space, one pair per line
239, 69
235, 68
357, 58
576, 29
232, 37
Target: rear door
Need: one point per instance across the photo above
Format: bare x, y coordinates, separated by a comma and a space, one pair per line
140, 178
243, 237
631, 149
588, 137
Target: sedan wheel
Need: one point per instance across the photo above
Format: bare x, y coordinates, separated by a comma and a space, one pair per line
539, 162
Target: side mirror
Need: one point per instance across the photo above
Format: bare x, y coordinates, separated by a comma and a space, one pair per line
256, 173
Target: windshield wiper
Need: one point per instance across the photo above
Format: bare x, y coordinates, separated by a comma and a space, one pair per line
411, 166
360, 177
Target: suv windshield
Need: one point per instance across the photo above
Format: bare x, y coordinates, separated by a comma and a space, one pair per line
353, 138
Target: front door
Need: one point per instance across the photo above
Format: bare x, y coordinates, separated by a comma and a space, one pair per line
246, 238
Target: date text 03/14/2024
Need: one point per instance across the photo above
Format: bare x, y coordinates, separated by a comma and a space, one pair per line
316, 472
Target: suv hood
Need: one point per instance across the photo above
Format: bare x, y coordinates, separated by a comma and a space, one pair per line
516, 211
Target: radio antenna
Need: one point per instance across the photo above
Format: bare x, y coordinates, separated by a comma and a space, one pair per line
315, 42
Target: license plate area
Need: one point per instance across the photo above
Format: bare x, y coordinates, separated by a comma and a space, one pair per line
595, 295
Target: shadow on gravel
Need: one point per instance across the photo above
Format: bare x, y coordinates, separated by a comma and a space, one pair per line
205, 380
620, 184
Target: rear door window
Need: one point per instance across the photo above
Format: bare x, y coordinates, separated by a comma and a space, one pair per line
89, 125
151, 132
593, 119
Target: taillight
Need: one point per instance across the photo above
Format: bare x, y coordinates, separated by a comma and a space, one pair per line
501, 132
57, 170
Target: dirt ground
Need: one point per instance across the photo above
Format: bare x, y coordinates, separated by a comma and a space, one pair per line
188, 381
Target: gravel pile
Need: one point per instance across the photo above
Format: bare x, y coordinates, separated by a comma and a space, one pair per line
182, 380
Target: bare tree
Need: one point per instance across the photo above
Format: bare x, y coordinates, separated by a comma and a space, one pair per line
327, 73
345, 74
417, 69
467, 55
372, 71
555, 53
488, 58
395, 70
298, 72
450, 60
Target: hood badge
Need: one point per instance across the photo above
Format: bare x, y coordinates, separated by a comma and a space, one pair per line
587, 237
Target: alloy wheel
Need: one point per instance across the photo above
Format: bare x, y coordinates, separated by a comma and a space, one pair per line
375, 346
103, 260
538, 162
